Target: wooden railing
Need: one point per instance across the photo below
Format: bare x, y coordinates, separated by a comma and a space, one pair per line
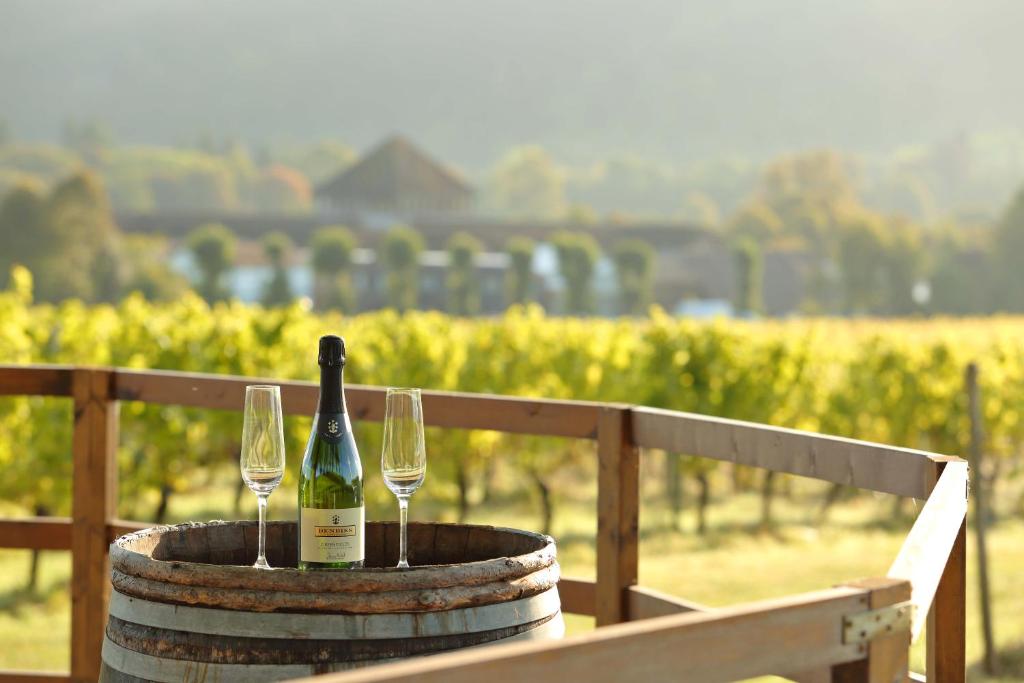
810, 637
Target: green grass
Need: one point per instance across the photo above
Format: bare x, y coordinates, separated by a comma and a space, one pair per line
735, 562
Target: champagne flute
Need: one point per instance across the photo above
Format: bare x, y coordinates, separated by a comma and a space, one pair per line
403, 460
262, 458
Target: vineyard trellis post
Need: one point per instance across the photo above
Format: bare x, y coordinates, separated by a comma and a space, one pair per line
977, 455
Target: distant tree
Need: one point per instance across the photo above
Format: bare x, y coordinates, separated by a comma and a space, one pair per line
902, 264
820, 176
755, 221
880, 261
280, 189
577, 258
68, 240
634, 266
81, 242
278, 290
1008, 246
22, 215
400, 252
462, 281
213, 248
750, 276
200, 184
332, 248
106, 272
861, 262
528, 183
811, 193
903, 193
520, 270
961, 277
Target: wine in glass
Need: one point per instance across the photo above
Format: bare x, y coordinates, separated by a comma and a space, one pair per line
262, 458
404, 456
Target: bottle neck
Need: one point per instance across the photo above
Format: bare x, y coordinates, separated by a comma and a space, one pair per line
332, 393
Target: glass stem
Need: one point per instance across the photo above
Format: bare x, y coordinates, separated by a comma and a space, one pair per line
261, 561
403, 512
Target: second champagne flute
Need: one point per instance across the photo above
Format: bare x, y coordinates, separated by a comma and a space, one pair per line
262, 456
403, 459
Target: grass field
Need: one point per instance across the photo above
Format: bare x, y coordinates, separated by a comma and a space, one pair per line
735, 562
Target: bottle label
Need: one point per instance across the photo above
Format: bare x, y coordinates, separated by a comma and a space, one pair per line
332, 535
331, 426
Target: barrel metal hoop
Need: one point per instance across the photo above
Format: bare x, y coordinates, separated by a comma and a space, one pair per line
161, 670
203, 647
326, 626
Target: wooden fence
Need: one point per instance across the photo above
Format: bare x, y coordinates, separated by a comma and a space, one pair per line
855, 632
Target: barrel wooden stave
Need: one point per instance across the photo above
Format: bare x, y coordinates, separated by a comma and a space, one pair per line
165, 625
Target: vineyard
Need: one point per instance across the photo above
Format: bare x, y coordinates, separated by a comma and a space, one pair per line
894, 382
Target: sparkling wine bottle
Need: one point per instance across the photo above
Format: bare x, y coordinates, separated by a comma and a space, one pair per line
331, 510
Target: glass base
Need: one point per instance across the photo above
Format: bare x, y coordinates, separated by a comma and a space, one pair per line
261, 563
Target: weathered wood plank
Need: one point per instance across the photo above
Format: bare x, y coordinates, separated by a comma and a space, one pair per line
618, 490
923, 555
946, 659
12, 676
578, 595
645, 603
35, 380
37, 533
870, 466
94, 496
803, 631
440, 409
886, 655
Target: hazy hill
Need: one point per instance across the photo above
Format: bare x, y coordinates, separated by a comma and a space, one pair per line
664, 79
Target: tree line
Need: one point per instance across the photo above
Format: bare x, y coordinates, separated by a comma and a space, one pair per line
855, 261
213, 248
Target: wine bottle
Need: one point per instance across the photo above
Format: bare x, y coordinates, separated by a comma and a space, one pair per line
331, 510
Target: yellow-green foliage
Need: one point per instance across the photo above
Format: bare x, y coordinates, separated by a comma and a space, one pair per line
894, 382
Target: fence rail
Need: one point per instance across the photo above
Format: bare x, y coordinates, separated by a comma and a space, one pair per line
796, 636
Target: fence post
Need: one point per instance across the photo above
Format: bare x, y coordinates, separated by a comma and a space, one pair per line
947, 621
618, 484
977, 456
886, 657
93, 505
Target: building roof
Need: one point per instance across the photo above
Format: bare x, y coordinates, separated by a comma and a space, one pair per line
396, 173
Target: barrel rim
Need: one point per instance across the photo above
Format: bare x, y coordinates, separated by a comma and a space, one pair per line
132, 562
338, 602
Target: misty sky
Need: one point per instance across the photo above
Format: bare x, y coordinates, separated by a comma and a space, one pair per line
666, 79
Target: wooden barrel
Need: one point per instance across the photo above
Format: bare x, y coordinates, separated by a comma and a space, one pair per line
186, 605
